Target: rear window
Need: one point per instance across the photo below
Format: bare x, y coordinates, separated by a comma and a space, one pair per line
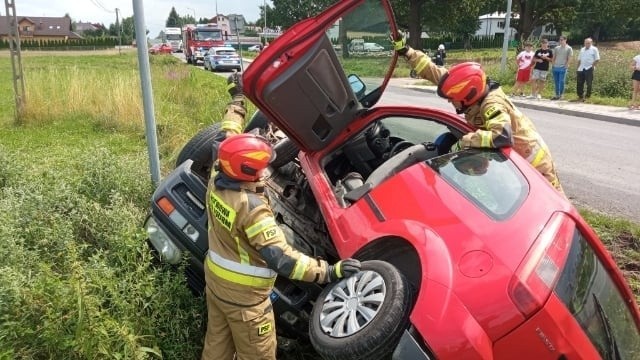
485, 177
587, 290
225, 52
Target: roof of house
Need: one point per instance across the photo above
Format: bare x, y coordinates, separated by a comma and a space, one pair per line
42, 26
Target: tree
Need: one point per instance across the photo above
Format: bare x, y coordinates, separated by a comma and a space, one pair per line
610, 17
288, 12
534, 13
174, 19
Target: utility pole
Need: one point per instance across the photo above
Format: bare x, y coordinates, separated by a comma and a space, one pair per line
507, 35
264, 29
118, 27
147, 91
16, 59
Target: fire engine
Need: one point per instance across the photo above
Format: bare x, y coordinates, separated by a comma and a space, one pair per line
197, 39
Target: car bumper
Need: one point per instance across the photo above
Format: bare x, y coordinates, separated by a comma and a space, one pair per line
411, 347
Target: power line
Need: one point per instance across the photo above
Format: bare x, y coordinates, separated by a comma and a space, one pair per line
99, 4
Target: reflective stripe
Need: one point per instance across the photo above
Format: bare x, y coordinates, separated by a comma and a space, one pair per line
537, 157
242, 274
261, 225
486, 138
300, 268
422, 63
231, 125
244, 255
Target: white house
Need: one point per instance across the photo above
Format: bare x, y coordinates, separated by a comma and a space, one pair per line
492, 24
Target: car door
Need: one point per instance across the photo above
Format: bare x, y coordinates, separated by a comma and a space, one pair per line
301, 80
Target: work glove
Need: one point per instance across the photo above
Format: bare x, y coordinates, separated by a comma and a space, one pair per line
400, 44
343, 269
234, 85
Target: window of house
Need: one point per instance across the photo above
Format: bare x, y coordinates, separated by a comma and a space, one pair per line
501, 24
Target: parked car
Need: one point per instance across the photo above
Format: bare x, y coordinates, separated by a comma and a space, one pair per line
222, 58
255, 48
372, 47
160, 49
466, 254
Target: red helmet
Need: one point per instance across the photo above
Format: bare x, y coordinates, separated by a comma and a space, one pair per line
465, 83
243, 156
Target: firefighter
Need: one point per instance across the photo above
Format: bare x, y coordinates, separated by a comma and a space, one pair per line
486, 107
247, 249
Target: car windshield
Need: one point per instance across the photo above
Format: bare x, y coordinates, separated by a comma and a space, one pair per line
208, 34
485, 177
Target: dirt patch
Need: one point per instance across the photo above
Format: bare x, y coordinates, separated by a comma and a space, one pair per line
620, 45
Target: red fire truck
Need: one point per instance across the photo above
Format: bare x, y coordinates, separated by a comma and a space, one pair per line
197, 39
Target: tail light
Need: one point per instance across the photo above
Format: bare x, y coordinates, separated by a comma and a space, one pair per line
177, 218
538, 273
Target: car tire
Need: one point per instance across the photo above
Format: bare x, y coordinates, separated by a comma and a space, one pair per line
200, 150
377, 337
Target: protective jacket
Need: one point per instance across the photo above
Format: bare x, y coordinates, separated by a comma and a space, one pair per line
498, 122
247, 248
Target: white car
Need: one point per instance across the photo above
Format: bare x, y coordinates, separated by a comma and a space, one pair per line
255, 48
222, 58
372, 47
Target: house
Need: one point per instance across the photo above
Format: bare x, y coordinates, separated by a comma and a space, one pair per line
493, 24
237, 23
81, 27
223, 24
40, 28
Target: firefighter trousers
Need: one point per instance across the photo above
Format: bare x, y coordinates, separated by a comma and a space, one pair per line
248, 332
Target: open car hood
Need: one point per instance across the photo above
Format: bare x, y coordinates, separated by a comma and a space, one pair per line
300, 81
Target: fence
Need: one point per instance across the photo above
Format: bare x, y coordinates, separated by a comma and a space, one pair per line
75, 44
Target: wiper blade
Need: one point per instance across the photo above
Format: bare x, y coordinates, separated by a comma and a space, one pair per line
614, 352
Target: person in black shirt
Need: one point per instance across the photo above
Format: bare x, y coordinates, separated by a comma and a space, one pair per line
542, 58
440, 55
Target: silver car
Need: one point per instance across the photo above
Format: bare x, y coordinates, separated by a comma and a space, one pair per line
222, 58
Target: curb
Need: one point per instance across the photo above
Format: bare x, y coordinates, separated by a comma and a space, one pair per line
556, 110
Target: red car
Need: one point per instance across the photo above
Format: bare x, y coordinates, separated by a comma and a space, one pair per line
160, 49
466, 255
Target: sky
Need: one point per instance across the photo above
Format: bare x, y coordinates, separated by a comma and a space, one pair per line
156, 12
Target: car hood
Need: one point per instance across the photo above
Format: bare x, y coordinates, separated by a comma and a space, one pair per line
300, 81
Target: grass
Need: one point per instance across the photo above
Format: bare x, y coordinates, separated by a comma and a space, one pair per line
77, 280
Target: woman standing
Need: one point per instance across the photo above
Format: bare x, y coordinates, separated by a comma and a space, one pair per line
635, 77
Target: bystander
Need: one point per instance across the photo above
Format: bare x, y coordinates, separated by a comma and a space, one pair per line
562, 55
587, 60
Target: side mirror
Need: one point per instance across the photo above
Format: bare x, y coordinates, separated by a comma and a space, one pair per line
357, 85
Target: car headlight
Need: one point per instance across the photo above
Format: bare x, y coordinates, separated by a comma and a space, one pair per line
162, 242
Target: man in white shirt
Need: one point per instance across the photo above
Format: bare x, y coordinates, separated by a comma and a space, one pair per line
587, 60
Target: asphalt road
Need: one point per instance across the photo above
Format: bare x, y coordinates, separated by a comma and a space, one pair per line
598, 161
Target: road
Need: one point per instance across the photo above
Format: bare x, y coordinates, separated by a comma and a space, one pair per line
598, 162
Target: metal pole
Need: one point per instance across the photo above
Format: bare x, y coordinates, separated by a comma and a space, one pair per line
147, 91
264, 29
119, 32
16, 60
239, 45
507, 35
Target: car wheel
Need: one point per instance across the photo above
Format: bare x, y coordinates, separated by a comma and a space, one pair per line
362, 317
200, 150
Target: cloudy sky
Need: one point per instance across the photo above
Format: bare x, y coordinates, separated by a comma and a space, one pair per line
156, 12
